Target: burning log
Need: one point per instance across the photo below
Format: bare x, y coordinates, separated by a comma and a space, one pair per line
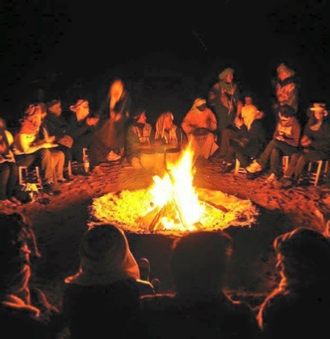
163, 212
217, 206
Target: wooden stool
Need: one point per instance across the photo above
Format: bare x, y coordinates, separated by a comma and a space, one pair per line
315, 172
29, 175
242, 170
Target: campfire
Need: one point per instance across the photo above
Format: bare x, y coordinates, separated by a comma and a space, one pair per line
172, 205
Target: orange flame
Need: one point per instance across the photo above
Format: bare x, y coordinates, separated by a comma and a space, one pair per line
177, 187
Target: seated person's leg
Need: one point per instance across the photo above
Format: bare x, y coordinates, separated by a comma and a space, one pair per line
12, 180
47, 164
58, 160
4, 177
275, 162
227, 134
25, 159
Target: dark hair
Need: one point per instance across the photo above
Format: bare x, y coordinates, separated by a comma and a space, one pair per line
199, 260
52, 103
286, 110
306, 251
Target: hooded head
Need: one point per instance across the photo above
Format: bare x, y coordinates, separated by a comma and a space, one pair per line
163, 123
105, 257
249, 114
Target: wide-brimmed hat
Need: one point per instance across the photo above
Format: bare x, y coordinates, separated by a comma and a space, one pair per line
137, 113
77, 105
225, 72
319, 106
33, 109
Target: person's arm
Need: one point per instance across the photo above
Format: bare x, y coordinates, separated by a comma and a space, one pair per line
294, 138
24, 144
239, 108
76, 130
187, 125
212, 95
212, 123
322, 142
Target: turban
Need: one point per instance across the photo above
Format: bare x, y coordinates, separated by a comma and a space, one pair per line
199, 102
225, 72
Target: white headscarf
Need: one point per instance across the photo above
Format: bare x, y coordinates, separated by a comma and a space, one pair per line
249, 113
105, 257
198, 102
160, 124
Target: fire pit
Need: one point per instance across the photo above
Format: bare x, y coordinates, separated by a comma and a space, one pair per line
172, 206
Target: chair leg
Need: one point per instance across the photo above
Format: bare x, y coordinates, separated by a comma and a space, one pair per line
318, 172
237, 166
69, 168
285, 162
22, 173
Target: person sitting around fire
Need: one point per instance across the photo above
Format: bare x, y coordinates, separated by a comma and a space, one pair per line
244, 140
57, 125
200, 125
8, 169
140, 137
82, 126
30, 149
285, 142
107, 284
167, 134
198, 307
315, 145
300, 304
57, 154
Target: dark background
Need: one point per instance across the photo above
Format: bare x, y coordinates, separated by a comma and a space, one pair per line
167, 54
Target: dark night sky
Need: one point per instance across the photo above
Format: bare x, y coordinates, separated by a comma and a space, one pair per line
54, 43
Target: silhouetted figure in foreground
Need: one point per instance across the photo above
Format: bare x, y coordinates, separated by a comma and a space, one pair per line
24, 311
199, 308
103, 295
300, 305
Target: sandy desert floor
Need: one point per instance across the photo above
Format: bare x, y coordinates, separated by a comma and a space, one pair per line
60, 224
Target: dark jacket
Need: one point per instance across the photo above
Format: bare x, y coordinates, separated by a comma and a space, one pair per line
102, 311
166, 316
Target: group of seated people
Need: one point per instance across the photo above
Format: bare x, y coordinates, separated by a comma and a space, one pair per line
247, 141
47, 139
107, 295
53, 140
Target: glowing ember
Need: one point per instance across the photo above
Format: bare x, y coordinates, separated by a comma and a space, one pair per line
173, 206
